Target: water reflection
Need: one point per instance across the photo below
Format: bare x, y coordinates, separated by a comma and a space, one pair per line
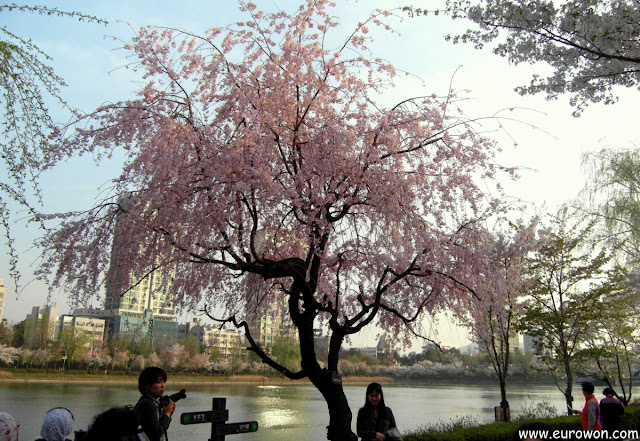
288, 412
276, 408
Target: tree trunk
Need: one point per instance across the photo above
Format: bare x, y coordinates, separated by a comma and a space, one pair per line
504, 403
326, 380
340, 417
569, 390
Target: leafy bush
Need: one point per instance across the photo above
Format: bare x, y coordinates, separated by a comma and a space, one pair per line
462, 422
533, 411
498, 431
631, 418
506, 431
489, 432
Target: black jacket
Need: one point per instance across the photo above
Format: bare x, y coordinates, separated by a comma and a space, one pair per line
154, 423
367, 425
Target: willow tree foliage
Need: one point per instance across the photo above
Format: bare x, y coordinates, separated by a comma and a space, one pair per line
591, 46
28, 86
610, 348
263, 167
613, 195
564, 305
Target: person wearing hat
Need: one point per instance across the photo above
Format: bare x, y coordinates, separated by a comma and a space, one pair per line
57, 425
611, 410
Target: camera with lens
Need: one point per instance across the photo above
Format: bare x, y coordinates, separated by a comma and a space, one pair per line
164, 401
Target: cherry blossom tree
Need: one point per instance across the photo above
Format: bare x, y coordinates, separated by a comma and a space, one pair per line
198, 362
263, 164
591, 46
138, 362
153, 360
8, 354
174, 356
493, 320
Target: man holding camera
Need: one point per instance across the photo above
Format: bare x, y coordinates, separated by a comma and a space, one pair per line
152, 413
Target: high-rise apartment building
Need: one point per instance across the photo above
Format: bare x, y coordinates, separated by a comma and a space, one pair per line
40, 326
270, 321
143, 310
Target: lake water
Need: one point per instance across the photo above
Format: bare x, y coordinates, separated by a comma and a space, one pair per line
284, 413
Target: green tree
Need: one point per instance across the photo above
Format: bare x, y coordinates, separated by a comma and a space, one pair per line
71, 344
119, 344
286, 351
28, 84
142, 347
564, 298
18, 332
522, 362
436, 354
192, 345
38, 332
6, 335
610, 347
591, 46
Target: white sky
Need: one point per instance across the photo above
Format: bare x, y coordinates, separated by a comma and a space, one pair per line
549, 141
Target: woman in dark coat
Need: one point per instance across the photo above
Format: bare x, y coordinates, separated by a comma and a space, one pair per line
375, 419
611, 411
151, 415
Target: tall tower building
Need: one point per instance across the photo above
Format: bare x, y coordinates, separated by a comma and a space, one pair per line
40, 326
143, 310
269, 320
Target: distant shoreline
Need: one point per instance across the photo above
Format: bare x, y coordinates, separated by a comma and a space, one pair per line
121, 378
6, 376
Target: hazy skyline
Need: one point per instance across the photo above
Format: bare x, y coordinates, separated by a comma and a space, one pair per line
546, 140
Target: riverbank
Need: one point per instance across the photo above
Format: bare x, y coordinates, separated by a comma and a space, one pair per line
119, 377
127, 377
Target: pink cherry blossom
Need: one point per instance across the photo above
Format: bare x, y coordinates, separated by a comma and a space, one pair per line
260, 168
